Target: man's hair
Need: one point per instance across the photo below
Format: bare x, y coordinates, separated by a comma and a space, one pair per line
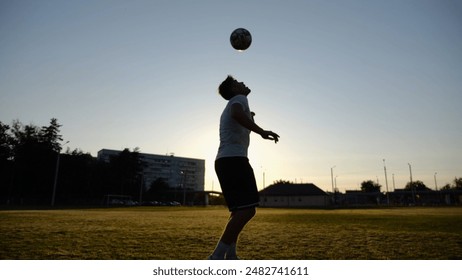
226, 88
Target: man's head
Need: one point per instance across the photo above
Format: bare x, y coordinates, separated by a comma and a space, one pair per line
230, 87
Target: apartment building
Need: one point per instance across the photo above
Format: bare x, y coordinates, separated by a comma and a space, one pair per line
178, 172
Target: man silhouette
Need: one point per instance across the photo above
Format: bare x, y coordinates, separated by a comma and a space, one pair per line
234, 172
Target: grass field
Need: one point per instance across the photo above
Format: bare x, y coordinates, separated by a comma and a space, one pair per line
191, 233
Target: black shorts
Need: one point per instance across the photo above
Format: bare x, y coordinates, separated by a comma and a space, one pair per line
237, 182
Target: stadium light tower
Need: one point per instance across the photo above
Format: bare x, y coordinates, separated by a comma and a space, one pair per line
411, 184
332, 178
53, 195
386, 181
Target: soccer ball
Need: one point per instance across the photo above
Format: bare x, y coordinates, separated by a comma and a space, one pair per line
240, 39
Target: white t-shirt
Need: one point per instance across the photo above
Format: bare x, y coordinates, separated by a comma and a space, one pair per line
234, 138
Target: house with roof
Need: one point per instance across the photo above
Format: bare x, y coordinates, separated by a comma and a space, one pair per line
293, 195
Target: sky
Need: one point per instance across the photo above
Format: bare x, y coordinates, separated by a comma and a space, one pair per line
352, 87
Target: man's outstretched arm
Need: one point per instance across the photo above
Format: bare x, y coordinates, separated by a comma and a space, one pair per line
237, 113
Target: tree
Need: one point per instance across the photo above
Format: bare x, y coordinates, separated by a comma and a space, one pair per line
458, 183
370, 186
49, 135
446, 187
416, 186
125, 170
6, 143
159, 190
281, 182
6, 163
77, 181
32, 153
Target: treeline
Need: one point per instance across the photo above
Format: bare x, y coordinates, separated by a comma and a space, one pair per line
371, 186
29, 160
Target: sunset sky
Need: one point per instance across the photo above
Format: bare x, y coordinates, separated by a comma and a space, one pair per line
345, 83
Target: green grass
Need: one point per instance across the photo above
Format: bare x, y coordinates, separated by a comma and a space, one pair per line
191, 233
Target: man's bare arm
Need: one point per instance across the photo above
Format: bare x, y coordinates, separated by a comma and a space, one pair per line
237, 113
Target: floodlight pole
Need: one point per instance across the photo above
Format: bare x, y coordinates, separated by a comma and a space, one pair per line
332, 178
53, 196
436, 185
386, 181
263, 177
411, 185
393, 177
